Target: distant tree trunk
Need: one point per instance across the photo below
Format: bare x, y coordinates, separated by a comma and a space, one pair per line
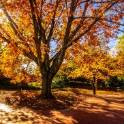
94, 88
94, 85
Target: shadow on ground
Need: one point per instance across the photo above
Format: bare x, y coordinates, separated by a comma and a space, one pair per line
73, 108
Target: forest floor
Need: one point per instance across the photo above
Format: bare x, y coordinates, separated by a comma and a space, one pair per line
71, 106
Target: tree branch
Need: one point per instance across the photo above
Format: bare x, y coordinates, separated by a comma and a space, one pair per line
58, 58
91, 25
53, 21
80, 23
15, 28
26, 53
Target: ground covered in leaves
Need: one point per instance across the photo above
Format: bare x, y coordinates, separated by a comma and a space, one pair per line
71, 106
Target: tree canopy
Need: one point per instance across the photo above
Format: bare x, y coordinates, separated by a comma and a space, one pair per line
30, 27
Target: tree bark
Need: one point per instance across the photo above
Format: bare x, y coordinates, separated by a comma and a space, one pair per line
46, 89
46, 82
94, 85
94, 89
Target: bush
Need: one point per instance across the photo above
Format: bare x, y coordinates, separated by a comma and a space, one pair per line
80, 82
34, 84
60, 81
116, 82
4, 81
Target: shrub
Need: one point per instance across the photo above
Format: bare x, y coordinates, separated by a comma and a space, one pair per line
116, 82
60, 81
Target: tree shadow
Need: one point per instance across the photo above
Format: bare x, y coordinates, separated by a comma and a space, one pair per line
72, 109
108, 98
87, 117
111, 99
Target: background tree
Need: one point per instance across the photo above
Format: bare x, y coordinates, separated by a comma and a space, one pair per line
120, 52
32, 26
91, 62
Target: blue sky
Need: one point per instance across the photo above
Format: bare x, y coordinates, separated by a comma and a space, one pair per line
114, 41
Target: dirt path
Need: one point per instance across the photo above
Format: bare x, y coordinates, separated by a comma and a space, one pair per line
102, 109
98, 110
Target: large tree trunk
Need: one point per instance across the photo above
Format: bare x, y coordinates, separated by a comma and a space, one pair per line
46, 83
46, 89
48, 72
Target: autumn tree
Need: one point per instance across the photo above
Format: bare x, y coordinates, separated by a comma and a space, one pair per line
32, 26
117, 61
90, 62
120, 53
120, 46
